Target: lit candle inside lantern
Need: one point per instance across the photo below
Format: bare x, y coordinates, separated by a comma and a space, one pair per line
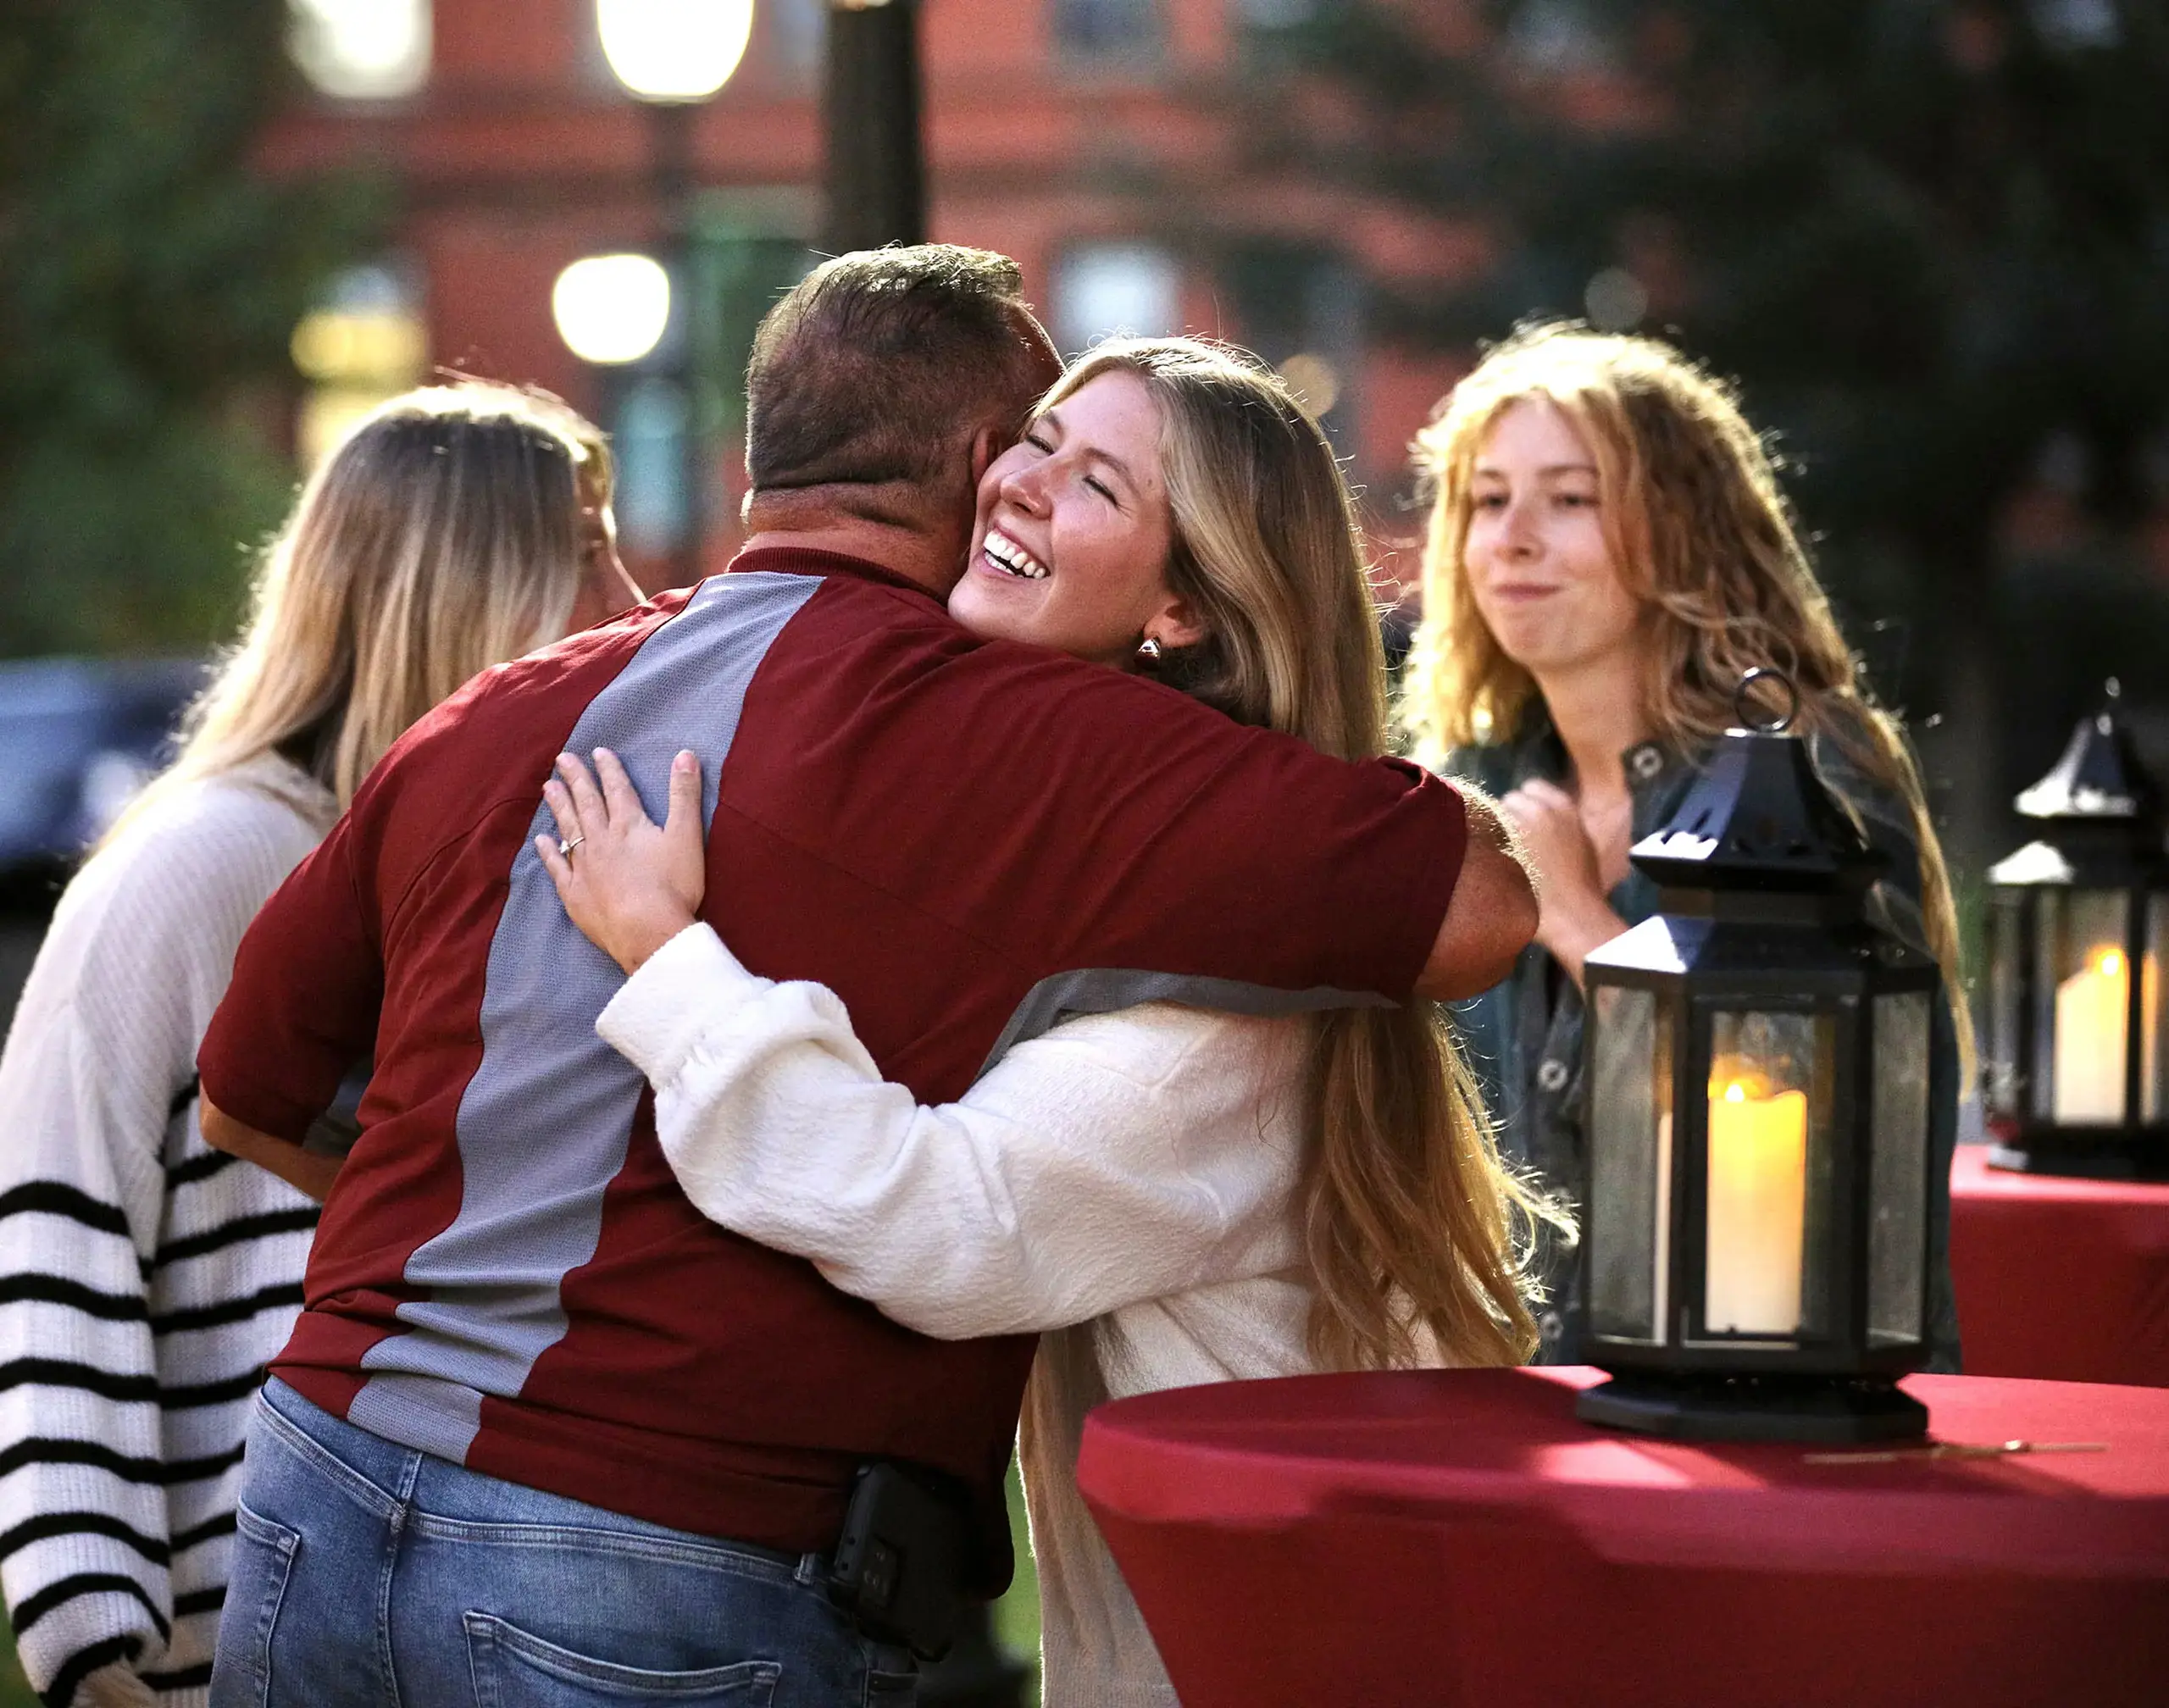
2092, 1012
1757, 1209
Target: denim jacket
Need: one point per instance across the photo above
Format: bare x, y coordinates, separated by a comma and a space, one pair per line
1523, 1036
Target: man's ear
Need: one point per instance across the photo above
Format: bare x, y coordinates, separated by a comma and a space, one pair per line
1176, 624
987, 444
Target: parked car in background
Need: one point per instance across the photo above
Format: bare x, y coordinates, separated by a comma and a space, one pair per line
78, 738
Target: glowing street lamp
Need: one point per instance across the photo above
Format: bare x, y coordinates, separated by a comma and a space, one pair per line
361, 50
673, 50
671, 55
612, 309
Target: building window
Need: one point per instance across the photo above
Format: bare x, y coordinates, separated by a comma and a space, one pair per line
1115, 290
2075, 24
361, 50
364, 342
1302, 309
1107, 29
652, 502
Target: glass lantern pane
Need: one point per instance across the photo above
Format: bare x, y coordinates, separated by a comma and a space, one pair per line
1898, 1170
2082, 1007
2041, 993
1766, 1186
2153, 1013
1630, 1165
2006, 965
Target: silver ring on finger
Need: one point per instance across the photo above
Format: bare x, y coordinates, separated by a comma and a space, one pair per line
567, 844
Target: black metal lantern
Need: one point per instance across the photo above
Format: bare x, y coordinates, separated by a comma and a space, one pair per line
1757, 1223
2079, 935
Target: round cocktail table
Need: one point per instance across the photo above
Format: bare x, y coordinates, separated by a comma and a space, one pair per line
1461, 1538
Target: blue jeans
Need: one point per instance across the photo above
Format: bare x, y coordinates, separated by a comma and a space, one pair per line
366, 1575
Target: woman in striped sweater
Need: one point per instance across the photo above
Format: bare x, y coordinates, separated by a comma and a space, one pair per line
145, 1279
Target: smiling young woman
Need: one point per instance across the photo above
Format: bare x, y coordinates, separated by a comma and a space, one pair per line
1609, 553
1168, 1195
1082, 489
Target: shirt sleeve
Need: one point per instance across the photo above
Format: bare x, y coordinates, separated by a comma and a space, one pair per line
307, 983
1119, 1158
1091, 821
1243, 855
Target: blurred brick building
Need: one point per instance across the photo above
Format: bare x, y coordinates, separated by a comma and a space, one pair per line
1101, 142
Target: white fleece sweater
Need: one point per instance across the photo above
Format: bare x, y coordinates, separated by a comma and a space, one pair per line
1122, 1186
144, 1278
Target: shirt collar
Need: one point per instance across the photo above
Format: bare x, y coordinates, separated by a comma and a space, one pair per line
801, 560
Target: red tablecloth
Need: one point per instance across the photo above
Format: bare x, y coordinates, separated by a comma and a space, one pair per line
2060, 1278
1460, 1538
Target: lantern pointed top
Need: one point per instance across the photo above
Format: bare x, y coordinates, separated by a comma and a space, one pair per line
2100, 775
1759, 818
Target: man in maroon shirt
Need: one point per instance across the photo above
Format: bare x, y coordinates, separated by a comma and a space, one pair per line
540, 1420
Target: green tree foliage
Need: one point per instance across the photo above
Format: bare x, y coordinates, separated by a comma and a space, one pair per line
1927, 235
1932, 227
149, 283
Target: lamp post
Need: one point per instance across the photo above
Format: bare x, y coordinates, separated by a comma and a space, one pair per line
673, 55
875, 170
875, 179
2079, 924
1758, 1213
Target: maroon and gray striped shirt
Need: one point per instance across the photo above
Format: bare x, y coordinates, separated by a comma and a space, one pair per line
965, 840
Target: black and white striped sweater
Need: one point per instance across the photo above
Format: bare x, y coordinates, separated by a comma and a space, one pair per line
144, 1278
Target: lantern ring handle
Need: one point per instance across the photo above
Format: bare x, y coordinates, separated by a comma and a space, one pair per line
1764, 724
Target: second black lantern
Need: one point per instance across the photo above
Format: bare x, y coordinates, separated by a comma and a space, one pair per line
1760, 1065
2079, 936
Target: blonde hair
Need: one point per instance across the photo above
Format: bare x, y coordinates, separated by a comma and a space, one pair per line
1702, 535
1409, 1216
448, 531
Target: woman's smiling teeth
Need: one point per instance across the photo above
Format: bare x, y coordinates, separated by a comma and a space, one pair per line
1010, 558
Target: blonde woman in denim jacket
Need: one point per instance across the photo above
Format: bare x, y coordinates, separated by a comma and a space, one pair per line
1609, 552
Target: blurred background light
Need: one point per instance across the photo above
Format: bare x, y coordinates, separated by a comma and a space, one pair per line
611, 308
1313, 380
362, 341
1616, 300
673, 50
361, 50
367, 346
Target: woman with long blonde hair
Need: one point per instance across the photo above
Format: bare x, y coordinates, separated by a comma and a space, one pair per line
145, 1278
1167, 1195
1609, 553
